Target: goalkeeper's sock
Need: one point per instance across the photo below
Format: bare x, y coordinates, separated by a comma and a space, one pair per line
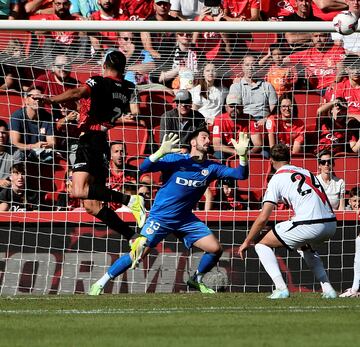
114, 222
120, 266
269, 262
355, 286
103, 280
101, 193
208, 261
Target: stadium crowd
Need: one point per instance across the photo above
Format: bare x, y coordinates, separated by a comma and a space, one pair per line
300, 89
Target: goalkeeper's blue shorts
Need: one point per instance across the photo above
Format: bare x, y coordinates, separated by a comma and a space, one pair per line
188, 231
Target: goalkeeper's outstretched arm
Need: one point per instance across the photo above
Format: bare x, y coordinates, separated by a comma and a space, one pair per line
169, 145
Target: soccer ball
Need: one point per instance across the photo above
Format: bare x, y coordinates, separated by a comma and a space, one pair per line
345, 23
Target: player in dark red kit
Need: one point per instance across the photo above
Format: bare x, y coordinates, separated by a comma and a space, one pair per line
110, 97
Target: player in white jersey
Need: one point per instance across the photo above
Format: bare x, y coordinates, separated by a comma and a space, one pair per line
314, 222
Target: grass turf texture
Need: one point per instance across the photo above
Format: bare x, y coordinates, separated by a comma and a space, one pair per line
182, 320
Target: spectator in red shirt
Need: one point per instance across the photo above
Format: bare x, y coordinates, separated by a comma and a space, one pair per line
109, 11
137, 10
228, 198
214, 44
335, 134
119, 171
321, 61
303, 12
227, 126
36, 7
240, 10
286, 128
328, 9
276, 10
57, 42
348, 88
57, 81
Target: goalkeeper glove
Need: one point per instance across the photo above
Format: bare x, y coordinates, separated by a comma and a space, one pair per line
167, 146
241, 147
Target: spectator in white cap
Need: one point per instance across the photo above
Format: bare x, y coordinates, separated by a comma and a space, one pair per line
227, 126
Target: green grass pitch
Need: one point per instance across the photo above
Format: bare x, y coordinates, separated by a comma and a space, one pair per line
191, 319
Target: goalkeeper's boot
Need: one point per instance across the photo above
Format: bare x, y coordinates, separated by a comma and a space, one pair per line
200, 286
137, 207
96, 289
330, 294
350, 293
279, 294
137, 250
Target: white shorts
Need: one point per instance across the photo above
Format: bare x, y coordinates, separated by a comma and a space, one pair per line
295, 236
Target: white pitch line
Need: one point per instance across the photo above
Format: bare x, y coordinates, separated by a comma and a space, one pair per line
291, 309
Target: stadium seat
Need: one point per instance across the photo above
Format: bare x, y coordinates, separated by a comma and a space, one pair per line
307, 162
153, 104
254, 187
307, 104
9, 103
347, 167
134, 136
260, 42
153, 177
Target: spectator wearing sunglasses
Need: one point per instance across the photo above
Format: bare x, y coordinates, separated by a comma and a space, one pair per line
182, 62
139, 62
31, 129
56, 81
55, 42
334, 187
336, 133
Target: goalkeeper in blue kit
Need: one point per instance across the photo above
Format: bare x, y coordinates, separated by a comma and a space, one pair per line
185, 179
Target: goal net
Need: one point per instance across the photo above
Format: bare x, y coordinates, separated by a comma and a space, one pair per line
50, 245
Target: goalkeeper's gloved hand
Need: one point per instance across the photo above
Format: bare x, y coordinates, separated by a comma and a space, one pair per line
242, 146
168, 145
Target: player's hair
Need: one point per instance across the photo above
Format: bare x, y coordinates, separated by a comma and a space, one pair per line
354, 191
280, 152
117, 142
18, 167
115, 60
196, 132
4, 124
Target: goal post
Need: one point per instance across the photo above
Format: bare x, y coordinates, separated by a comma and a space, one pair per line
63, 250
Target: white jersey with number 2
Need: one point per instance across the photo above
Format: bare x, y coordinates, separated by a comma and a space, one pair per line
301, 190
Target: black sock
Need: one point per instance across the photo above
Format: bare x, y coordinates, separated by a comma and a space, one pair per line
114, 222
101, 193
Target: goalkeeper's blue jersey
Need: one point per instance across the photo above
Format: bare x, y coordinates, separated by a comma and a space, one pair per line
184, 183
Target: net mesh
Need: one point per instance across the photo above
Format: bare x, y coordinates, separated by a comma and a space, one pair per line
58, 248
